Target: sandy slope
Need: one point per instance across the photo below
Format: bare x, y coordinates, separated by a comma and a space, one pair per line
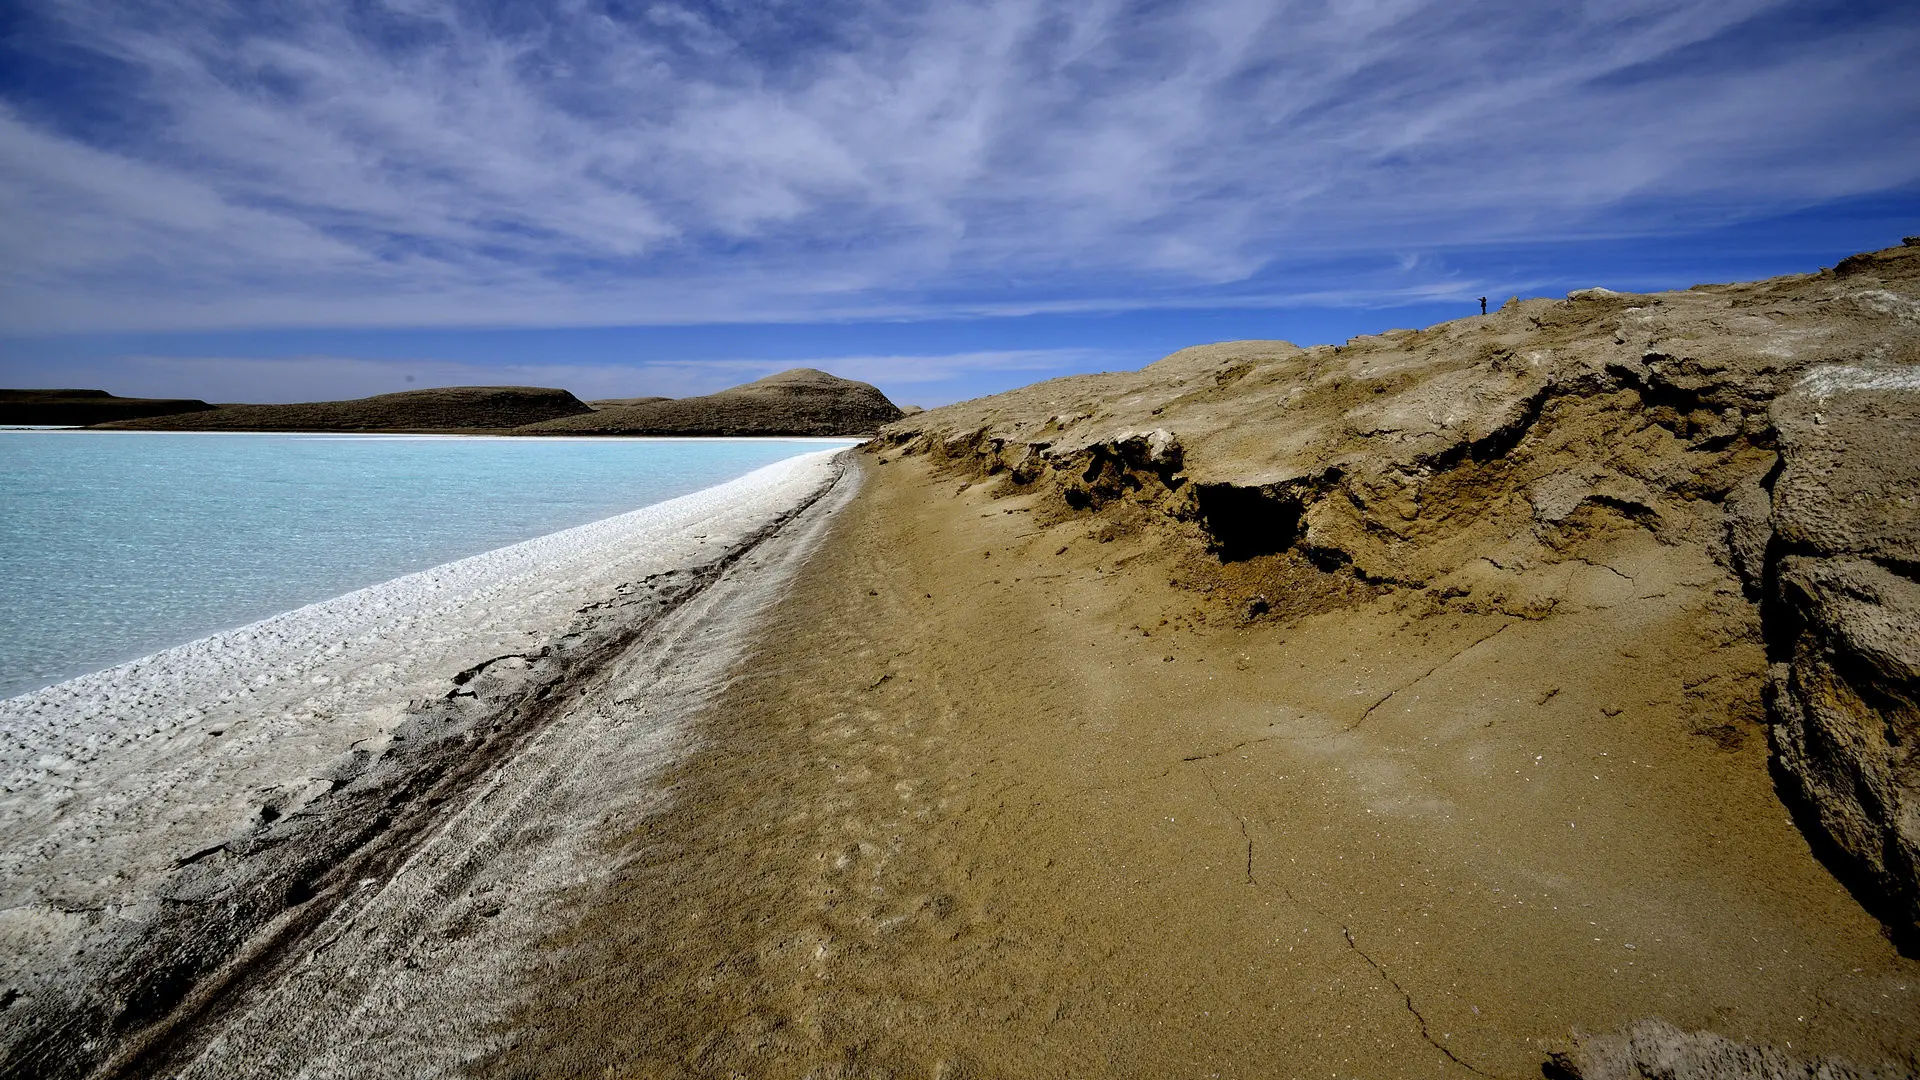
1767, 427
999, 794
1401, 708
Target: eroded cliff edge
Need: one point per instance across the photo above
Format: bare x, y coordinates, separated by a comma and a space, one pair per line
1472, 465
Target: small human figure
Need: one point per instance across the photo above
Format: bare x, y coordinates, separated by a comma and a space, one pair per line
1483, 305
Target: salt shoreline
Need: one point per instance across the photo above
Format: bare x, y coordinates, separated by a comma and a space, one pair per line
114, 781
118, 549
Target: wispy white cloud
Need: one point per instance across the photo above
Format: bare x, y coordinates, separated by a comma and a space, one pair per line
433, 162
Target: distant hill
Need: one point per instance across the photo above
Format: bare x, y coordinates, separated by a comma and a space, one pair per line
82, 407
797, 402
451, 408
613, 403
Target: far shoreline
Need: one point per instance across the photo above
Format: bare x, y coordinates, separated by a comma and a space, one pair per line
850, 440
438, 556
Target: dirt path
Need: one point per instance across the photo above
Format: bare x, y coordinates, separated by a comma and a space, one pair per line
994, 798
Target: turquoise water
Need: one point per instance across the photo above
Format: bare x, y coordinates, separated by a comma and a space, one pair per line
117, 544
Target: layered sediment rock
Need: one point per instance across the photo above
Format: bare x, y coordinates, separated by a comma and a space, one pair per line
797, 402
1472, 465
452, 408
1843, 590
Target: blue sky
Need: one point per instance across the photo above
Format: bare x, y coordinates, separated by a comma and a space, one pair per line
321, 199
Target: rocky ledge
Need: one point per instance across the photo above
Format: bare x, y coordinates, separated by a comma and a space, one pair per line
1775, 425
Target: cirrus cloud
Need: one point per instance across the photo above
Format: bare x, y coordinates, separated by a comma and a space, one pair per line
196, 163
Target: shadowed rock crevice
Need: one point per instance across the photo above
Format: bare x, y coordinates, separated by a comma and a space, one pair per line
1249, 521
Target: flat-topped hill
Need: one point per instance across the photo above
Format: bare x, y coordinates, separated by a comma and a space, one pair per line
797, 402
81, 407
451, 408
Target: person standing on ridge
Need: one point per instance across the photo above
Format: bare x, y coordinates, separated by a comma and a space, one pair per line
1483, 305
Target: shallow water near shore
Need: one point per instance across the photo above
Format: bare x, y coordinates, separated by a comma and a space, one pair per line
117, 544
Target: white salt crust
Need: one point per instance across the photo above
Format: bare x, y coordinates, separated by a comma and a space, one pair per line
110, 778
1826, 380
422, 972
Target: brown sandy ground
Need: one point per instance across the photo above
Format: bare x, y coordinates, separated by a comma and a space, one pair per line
1010, 791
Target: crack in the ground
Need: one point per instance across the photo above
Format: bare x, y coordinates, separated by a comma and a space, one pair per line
1417, 681
1426, 1032
1628, 578
1230, 749
1244, 834
1406, 998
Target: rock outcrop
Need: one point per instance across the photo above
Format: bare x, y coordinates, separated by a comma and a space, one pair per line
1475, 465
1843, 590
1656, 1050
452, 408
797, 402
78, 408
